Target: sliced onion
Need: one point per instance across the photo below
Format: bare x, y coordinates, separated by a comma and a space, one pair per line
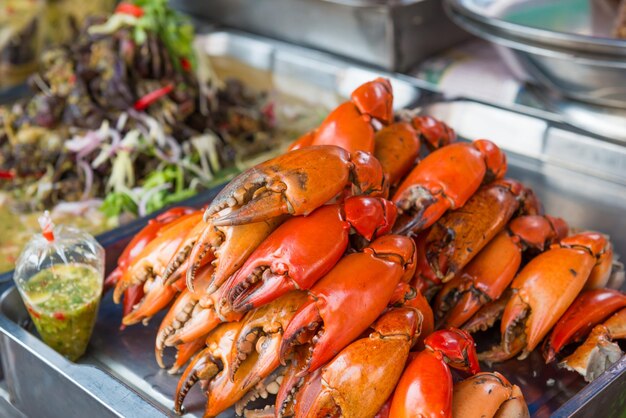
148, 195
88, 178
76, 208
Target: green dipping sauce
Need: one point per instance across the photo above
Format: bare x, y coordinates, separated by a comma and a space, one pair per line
63, 303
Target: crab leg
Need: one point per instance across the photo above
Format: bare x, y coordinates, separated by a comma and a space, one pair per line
589, 309
296, 183
444, 180
543, 291
599, 351
425, 388
460, 234
304, 249
348, 299
488, 394
486, 277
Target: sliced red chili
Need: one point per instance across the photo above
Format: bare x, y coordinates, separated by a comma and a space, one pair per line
59, 315
129, 9
152, 97
6, 175
185, 64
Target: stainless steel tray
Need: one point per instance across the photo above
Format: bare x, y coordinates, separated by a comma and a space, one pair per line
391, 34
577, 177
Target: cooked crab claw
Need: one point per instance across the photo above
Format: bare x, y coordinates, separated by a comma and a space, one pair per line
178, 315
445, 180
489, 274
434, 133
543, 290
488, 394
153, 259
211, 367
425, 388
459, 235
295, 183
156, 297
599, 351
347, 300
227, 248
350, 125
589, 309
304, 248
375, 363
262, 331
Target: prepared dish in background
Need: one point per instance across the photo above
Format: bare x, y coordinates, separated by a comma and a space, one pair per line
21, 35
129, 118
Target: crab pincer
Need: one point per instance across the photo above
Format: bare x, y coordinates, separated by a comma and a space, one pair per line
304, 248
488, 394
544, 289
347, 300
296, 183
445, 180
376, 362
589, 309
489, 274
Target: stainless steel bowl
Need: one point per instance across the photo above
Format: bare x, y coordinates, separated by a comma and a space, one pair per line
575, 64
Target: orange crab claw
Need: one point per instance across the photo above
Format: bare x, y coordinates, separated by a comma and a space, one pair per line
486, 277
407, 296
543, 291
488, 394
154, 257
375, 363
459, 235
304, 249
599, 351
262, 331
296, 183
444, 180
589, 309
416, 395
156, 297
349, 126
185, 352
348, 299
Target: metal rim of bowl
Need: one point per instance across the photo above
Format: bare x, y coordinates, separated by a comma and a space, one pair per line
537, 36
492, 35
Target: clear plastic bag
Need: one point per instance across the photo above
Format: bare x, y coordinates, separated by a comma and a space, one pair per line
59, 275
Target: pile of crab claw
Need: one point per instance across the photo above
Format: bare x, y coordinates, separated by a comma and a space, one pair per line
346, 275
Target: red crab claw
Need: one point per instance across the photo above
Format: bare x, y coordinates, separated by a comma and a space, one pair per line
397, 148
375, 364
487, 276
543, 291
349, 126
488, 314
459, 235
488, 394
141, 239
416, 394
262, 332
589, 309
227, 248
296, 183
348, 299
303, 249
196, 318
434, 133
599, 351
153, 259
444, 180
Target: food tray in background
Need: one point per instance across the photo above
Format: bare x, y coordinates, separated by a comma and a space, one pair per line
390, 34
577, 177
